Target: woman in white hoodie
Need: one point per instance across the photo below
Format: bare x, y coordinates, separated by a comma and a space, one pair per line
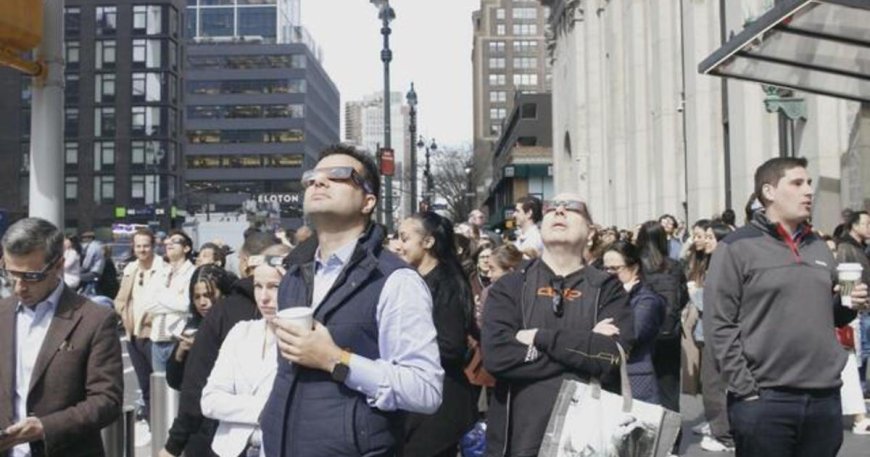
242, 377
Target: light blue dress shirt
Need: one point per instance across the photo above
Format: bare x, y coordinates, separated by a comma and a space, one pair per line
31, 326
408, 376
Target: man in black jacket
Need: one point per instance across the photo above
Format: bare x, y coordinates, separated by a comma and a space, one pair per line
190, 432
769, 317
555, 319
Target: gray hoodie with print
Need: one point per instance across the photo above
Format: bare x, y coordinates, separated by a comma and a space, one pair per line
770, 310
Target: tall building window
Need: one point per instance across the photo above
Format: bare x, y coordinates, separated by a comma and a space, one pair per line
525, 29
71, 188
191, 20
105, 54
258, 21
216, 22
496, 47
72, 21
497, 79
104, 121
71, 122
499, 29
499, 13
146, 153
148, 19
496, 114
71, 91
104, 87
525, 79
147, 87
525, 62
146, 53
497, 96
104, 156
496, 62
525, 13
107, 20
71, 54
71, 154
104, 189
525, 46
146, 121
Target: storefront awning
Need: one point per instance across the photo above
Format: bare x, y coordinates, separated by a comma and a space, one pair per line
818, 46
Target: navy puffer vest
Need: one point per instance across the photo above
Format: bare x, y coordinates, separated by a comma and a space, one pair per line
308, 414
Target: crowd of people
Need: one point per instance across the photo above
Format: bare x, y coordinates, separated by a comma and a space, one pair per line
416, 336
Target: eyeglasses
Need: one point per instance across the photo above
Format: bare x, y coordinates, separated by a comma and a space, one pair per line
575, 206
336, 174
175, 241
557, 285
141, 278
613, 268
29, 276
274, 261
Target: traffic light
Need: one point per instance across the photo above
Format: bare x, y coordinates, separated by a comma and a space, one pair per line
20, 31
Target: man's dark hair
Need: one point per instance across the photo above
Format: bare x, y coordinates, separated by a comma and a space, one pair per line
370, 169
729, 217
854, 219
533, 204
220, 256
772, 171
186, 240
257, 242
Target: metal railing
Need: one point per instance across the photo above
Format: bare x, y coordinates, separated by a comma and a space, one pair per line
119, 437
164, 408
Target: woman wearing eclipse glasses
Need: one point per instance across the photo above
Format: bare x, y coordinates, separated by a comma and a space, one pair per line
554, 319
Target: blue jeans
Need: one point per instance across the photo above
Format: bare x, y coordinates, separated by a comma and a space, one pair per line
864, 356
160, 354
787, 423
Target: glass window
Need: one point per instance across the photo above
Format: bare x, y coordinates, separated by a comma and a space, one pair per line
71, 153
496, 47
525, 29
107, 20
525, 79
147, 87
104, 121
148, 152
137, 187
245, 136
258, 21
72, 21
105, 58
71, 187
283, 160
497, 79
497, 96
146, 121
71, 123
529, 111
525, 46
215, 22
104, 189
191, 20
499, 13
104, 156
148, 19
72, 50
146, 53
525, 13
499, 29
71, 89
104, 87
252, 86
495, 129
525, 62
496, 62
497, 113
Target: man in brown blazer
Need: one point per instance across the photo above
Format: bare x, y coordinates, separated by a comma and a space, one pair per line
61, 375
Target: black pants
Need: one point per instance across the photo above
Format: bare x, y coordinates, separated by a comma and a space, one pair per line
139, 350
714, 397
788, 423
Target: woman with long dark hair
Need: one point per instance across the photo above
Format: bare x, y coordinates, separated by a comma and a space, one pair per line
665, 277
428, 245
623, 260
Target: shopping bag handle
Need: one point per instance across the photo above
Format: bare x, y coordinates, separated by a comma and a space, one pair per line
627, 398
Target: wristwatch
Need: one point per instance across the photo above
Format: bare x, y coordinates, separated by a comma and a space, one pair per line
342, 367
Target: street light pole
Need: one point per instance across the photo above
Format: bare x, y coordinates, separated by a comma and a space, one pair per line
428, 171
386, 15
412, 103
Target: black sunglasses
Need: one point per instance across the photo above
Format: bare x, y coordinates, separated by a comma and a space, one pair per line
29, 276
557, 284
336, 174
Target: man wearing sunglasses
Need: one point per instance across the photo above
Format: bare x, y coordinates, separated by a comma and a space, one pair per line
372, 351
554, 319
61, 379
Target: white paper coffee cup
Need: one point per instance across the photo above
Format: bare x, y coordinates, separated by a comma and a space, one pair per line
299, 316
848, 275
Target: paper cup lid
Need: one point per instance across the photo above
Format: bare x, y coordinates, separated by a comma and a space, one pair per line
848, 266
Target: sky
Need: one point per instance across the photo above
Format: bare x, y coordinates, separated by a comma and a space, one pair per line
431, 43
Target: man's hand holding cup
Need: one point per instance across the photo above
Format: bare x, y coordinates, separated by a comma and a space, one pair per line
303, 341
853, 293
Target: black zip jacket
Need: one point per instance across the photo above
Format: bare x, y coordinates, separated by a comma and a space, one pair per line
526, 390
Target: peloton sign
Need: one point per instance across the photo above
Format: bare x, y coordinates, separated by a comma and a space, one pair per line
281, 198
